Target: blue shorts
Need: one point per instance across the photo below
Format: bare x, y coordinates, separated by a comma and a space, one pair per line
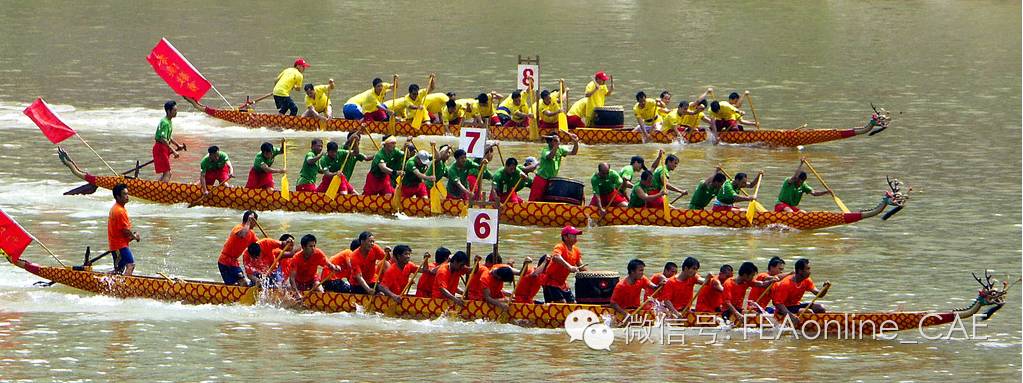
122, 258
230, 274
352, 112
555, 294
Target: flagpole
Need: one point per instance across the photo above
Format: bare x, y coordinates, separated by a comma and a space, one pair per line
97, 155
221, 96
46, 248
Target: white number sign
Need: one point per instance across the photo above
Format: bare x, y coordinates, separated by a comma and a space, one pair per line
482, 226
526, 71
473, 141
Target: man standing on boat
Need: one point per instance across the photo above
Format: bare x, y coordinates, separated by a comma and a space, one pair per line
237, 242
310, 167
602, 86
550, 163
792, 190
368, 105
119, 233
606, 183
215, 167
565, 259
261, 176
164, 146
289, 79
790, 291
317, 101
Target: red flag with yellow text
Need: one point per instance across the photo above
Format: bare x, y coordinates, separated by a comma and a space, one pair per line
13, 239
53, 128
175, 69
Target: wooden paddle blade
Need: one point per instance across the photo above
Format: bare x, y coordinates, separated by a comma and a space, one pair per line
391, 125
334, 187
562, 122
417, 121
82, 190
435, 200
285, 188
534, 131
396, 197
751, 211
841, 205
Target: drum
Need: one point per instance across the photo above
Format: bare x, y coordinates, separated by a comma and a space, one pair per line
608, 116
595, 287
564, 190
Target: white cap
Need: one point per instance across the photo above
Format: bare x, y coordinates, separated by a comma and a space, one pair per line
529, 160
423, 157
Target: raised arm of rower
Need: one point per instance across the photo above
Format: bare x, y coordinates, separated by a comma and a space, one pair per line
575, 144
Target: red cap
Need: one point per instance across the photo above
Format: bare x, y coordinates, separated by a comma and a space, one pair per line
568, 229
601, 76
301, 61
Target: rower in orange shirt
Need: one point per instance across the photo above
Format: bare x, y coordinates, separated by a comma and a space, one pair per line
627, 292
305, 264
566, 258
262, 253
336, 282
398, 273
119, 233
445, 283
679, 289
763, 282
239, 239
490, 286
735, 289
490, 261
530, 280
790, 290
424, 288
712, 295
365, 263
670, 269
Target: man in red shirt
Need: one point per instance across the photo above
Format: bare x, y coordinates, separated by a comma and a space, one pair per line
760, 291
335, 282
305, 265
530, 280
627, 292
424, 288
445, 283
239, 239
119, 233
565, 259
670, 269
491, 286
735, 289
365, 264
678, 290
712, 294
262, 253
790, 290
397, 274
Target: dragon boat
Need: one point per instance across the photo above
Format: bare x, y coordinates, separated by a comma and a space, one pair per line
521, 214
551, 315
591, 136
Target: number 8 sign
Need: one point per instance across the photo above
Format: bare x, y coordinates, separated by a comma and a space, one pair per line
473, 141
482, 226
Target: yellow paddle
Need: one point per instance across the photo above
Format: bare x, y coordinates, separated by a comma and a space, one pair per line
417, 120
285, 188
396, 197
513, 189
534, 131
562, 117
394, 96
756, 119
760, 208
664, 197
335, 183
436, 192
751, 210
841, 205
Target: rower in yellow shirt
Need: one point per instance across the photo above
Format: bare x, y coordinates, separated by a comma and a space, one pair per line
726, 116
664, 104
514, 111
577, 113
645, 110
289, 79
434, 103
550, 107
406, 107
368, 105
453, 113
317, 101
481, 110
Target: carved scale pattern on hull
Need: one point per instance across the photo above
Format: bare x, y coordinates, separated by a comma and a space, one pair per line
586, 136
523, 214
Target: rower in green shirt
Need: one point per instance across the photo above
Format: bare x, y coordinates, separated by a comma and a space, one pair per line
728, 195
461, 175
310, 167
508, 177
706, 190
330, 166
215, 167
646, 194
412, 184
606, 183
661, 175
550, 163
384, 169
350, 151
438, 168
792, 191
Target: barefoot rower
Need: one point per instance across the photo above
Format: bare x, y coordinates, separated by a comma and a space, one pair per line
162, 149
289, 79
317, 101
332, 163
310, 167
461, 176
261, 174
670, 270
368, 105
550, 163
706, 190
305, 266
215, 167
792, 190
482, 109
566, 258
434, 102
413, 183
237, 242
606, 183
119, 233
628, 291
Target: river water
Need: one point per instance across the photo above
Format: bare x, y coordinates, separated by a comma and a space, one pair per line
950, 68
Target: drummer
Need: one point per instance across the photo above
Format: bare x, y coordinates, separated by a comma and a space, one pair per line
514, 112
606, 183
550, 163
261, 174
368, 105
602, 86
566, 258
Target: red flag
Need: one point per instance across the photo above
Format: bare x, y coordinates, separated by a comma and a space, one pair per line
13, 239
175, 69
51, 125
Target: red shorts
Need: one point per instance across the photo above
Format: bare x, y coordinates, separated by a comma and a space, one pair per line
377, 185
306, 187
346, 188
721, 208
575, 122
547, 125
494, 120
216, 175
471, 180
377, 115
609, 199
498, 197
518, 124
723, 125
161, 157
415, 191
780, 207
538, 188
259, 180
657, 203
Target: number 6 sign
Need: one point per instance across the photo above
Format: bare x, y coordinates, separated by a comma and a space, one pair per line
482, 226
473, 141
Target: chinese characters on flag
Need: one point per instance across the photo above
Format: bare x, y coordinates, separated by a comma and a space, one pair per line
177, 72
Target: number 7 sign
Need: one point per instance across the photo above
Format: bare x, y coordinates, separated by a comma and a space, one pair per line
482, 226
473, 141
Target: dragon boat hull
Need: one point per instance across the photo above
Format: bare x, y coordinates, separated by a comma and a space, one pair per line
774, 138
